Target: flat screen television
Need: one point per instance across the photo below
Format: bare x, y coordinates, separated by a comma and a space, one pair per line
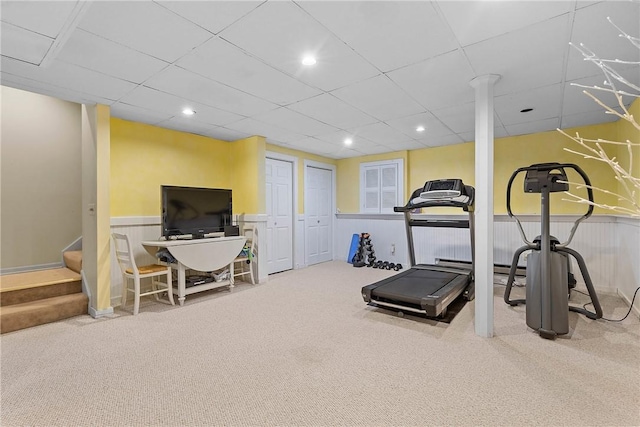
194, 212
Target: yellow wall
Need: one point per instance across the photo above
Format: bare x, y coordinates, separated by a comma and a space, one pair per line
458, 161
627, 132
144, 157
301, 156
348, 179
247, 169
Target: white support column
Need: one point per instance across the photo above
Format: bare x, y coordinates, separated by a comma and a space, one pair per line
483, 86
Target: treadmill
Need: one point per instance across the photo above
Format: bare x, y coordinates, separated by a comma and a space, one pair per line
428, 289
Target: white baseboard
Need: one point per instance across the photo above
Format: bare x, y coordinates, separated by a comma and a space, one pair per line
100, 313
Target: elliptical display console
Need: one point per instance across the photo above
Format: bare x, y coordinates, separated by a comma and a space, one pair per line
549, 279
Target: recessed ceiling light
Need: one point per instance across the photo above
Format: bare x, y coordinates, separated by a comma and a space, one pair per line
308, 60
420, 129
526, 110
188, 112
348, 141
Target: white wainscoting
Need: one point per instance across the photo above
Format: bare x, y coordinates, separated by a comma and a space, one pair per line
140, 229
628, 260
596, 240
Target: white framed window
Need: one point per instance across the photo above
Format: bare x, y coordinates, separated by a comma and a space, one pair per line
381, 186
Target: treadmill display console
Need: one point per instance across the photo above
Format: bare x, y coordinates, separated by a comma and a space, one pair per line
442, 189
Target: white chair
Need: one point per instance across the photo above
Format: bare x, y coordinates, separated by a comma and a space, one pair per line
243, 264
130, 270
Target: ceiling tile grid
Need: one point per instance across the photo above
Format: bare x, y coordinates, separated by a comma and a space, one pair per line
382, 70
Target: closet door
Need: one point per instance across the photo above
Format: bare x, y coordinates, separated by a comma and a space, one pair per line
318, 209
279, 198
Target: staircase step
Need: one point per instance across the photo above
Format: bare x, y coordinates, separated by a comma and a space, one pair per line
24, 287
73, 260
33, 313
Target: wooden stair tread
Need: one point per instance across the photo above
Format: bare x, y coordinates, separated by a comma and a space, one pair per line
31, 279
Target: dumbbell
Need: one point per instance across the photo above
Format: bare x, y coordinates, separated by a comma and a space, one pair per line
397, 267
378, 264
391, 266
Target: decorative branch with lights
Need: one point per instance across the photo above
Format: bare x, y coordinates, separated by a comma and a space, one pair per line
592, 149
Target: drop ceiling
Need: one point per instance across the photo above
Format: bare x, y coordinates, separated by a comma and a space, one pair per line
383, 68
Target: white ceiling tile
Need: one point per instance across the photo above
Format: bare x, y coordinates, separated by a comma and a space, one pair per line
379, 97
588, 118
576, 101
144, 26
474, 21
245, 73
225, 134
592, 29
314, 145
437, 140
211, 15
526, 58
294, 122
155, 100
388, 34
96, 53
459, 119
137, 114
42, 17
187, 125
533, 127
71, 77
337, 138
283, 46
545, 101
48, 89
437, 82
370, 149
23, 45
380, 133
411, 144
333, 111
268, 130
345, 153
408, 125
191, 86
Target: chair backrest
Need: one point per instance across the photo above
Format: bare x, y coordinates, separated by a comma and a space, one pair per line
251, 233
124, 254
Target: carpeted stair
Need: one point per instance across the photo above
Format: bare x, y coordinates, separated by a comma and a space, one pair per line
44, 296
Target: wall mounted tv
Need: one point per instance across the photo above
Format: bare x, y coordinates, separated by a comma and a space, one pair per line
194, 212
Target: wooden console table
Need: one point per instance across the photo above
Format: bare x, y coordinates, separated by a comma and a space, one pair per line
199, 254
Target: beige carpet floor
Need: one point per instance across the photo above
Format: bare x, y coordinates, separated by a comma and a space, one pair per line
304, 350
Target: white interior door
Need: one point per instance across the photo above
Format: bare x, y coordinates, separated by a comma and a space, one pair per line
318, 214
279, 195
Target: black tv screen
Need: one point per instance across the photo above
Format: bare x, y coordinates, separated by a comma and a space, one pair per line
194, 211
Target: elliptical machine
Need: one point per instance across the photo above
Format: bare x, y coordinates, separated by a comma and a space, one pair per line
549, 279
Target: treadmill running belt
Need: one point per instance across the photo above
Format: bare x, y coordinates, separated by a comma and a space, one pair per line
412, 285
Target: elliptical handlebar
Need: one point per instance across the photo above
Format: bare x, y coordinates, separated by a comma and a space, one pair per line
548, 167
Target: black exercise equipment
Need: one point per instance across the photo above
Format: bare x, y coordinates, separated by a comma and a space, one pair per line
428, 289
548, 275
